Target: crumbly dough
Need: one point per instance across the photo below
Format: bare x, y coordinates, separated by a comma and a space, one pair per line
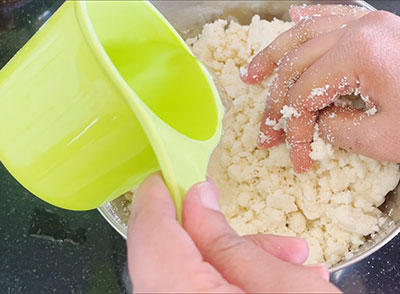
333, 205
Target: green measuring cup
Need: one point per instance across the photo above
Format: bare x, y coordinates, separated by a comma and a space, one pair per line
104, 94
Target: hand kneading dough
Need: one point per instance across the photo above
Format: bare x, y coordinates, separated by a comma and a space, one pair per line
333, 206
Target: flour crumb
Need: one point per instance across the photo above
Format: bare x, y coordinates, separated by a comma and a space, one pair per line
288, 111
318, 92
270, 122
371, 111
243, 71
262, 138
334, 205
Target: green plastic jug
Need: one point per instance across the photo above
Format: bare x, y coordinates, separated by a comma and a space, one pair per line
104, 94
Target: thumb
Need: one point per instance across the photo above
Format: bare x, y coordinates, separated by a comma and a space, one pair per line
208, 227
239, 261
357, 132
219, 245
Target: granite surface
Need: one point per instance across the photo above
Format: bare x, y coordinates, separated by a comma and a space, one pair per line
46, 249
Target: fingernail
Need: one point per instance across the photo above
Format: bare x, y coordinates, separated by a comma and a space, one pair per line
208, 196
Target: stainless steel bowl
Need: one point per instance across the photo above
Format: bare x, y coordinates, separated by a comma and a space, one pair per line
188, 18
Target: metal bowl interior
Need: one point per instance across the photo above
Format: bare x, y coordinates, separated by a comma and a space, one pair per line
188, 18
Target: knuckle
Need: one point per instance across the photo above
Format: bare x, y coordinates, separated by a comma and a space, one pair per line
302, 31
287, 67
294, 98
306, 22
224, 245
276, 99
284, 70
379, 16
368, 55
362, 37
272, 110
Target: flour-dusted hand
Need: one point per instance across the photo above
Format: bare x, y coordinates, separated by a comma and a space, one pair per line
206, 255
330, 52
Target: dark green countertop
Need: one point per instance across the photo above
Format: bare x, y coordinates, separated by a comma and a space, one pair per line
45, 249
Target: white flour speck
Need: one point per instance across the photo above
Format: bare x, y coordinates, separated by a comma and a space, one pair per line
289, 111
262, 138
243, 71
371, 111
318, 92
332, 115
270, 122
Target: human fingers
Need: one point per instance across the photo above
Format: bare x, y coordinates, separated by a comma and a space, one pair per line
321, 270
161, 255
330, 77
290, 249
358, 132
240, 261
298, 13
268, 59
219, 244
290, 69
